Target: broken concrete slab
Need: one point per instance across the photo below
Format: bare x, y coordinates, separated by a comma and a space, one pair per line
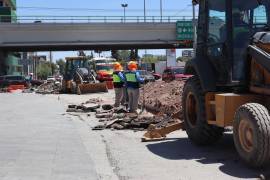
107, 107
110, 123
99, 127
120, 110
72, 106
90, 107
104, 115
117, 126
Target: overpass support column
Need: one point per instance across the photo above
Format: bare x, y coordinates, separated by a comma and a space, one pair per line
3, 66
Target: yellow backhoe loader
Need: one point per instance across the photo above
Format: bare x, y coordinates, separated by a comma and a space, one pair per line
231, 78
79, 78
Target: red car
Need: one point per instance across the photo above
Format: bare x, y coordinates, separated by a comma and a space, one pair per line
104, 72
174, 73
156, 75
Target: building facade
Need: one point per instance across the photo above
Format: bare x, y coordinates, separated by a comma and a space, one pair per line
10, 61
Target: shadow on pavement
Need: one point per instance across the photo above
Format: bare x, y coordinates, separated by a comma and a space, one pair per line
223, 153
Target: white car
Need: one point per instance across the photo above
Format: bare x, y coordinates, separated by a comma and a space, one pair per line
51, 79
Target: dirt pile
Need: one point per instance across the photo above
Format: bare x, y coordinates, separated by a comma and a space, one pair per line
164, 97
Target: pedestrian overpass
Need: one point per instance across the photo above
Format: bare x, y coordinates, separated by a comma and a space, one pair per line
91, 35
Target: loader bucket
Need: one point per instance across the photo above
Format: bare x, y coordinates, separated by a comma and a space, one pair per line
92, 88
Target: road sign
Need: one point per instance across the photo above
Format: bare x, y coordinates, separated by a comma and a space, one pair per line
184, 30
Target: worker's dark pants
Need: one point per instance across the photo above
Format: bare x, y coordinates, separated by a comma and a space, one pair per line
133, 99
119, 97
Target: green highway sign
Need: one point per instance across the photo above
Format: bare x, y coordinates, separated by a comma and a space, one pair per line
184, 30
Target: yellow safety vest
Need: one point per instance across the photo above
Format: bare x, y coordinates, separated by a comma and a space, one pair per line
116, 78
131, 77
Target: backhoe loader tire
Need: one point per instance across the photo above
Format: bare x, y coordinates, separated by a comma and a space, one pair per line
251, 132
193, 103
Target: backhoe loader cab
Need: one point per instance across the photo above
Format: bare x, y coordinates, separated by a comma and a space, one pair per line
231, 77
225, 30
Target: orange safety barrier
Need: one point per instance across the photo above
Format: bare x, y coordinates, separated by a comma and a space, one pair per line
109, 84
12, 88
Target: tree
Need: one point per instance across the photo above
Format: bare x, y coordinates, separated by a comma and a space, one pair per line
149, 58
161, 58
115, 54
44, 70
137, 53
183, 59
62, 66
53, 68
133, 54
124, 55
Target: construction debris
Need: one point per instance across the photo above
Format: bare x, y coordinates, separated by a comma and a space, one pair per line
164, 97
89, 106
119, 119
155, 133
3, 90
49, 88
30, 90
107, 107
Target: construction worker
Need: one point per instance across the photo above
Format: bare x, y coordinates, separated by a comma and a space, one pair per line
118, 82
133, 84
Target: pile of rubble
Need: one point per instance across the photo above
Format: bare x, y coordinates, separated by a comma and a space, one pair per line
119, 119
3, 90
163, 97
49, 88
89, 106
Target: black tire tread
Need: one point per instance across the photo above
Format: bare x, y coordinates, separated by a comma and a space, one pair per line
259, 114
206, 134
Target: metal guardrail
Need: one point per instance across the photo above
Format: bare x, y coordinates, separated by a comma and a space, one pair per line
101, 19
92, 19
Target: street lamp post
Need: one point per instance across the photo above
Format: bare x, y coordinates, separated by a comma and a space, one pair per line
161, 9
124, 6
144, 11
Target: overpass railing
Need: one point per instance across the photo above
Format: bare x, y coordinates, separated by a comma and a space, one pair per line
92, 19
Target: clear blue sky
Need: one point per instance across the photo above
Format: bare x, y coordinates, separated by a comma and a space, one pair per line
104, 8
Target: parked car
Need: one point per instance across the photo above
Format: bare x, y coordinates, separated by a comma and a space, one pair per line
173, 73
148, 76
7, 80
157, 76
51, 79
59, 78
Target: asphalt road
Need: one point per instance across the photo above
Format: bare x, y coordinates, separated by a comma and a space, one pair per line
38, 140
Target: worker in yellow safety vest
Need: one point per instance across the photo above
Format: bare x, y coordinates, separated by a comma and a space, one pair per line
118, 82
133, 81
